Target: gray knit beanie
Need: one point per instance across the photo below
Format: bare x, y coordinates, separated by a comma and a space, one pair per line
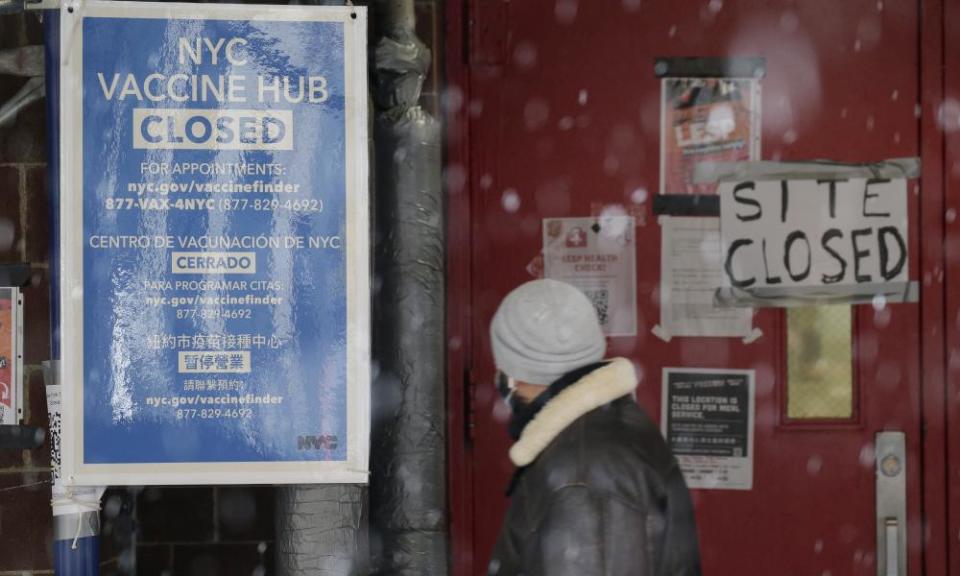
544, 329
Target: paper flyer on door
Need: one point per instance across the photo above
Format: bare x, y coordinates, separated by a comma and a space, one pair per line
790, 242
707, 418
706, 119
691, 270
598, 256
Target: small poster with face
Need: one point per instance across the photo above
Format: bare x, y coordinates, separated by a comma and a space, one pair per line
10, 401
598, 256
706, 119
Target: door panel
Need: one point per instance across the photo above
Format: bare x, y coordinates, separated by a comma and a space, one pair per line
564, 119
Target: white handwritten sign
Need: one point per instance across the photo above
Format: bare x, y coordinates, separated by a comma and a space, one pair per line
814, 233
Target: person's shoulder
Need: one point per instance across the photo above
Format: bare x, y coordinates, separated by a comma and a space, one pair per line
605, 453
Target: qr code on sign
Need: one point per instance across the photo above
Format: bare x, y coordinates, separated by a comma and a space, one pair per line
55, 460
601, 301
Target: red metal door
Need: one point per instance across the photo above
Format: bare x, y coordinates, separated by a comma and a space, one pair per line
560, 117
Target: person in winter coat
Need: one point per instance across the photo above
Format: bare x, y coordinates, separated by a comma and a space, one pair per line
597, 490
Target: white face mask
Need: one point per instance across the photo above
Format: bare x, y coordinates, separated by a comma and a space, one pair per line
512, 385
506, 386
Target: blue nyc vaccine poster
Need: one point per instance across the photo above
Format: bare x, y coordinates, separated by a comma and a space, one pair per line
215, 239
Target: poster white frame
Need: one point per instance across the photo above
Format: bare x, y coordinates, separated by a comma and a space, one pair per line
355, 468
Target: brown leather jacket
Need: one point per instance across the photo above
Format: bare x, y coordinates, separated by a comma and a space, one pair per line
600, 493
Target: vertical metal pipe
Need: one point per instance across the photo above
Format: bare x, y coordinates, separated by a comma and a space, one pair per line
397, 17
321, 530
51, 41
76, 544
408, 506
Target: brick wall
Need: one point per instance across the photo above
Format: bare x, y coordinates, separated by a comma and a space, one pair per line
25, 524
188, 531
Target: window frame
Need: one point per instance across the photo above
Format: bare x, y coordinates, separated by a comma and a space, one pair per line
784, 421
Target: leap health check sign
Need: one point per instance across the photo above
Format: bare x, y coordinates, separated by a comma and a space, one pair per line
789, 242
214, 268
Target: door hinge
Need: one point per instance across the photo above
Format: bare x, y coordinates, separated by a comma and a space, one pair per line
469, 414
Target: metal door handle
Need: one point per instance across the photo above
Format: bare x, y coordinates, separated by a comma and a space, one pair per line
892, 530
891, 518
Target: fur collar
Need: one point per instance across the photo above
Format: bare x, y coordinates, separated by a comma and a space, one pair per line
602, 386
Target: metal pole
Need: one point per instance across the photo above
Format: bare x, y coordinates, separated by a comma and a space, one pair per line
321, 530
398, 18
76, 544
408, 506
76, 531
